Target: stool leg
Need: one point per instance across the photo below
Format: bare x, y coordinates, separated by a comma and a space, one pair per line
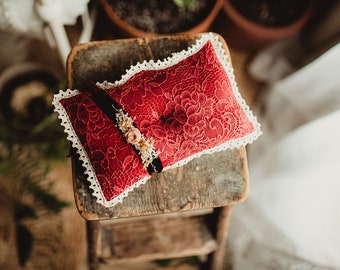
216, 260
92, 229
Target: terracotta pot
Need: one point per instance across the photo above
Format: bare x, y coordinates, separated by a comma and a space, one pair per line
26, 92
243, 33
132, 31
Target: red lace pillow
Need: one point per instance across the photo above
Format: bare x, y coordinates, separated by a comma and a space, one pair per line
168, 111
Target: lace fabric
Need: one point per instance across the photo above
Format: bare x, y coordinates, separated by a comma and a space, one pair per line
188, 104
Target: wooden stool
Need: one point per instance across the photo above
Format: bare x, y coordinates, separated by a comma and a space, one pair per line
153, 222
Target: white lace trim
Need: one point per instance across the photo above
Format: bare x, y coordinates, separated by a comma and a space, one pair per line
152, 65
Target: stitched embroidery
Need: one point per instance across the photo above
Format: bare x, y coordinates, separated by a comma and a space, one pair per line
188, 104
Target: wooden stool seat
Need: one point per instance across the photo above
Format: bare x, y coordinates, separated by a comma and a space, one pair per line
208, 185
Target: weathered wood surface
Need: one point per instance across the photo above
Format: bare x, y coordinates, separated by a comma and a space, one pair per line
158, 238
179, 214
177, 264
216, 260
210, 181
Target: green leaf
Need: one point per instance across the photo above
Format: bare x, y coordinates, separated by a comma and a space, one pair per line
185, 4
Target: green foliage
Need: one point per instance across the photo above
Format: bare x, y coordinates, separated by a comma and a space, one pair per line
26, 150
186, 4
46, 136
50, 201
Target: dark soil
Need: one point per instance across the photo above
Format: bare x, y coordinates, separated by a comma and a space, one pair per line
161, 16
271, 13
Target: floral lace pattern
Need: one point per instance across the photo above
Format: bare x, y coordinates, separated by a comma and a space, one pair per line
188, 105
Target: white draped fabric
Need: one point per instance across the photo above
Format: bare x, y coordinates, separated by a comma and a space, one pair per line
291, 219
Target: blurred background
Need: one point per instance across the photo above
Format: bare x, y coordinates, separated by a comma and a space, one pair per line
286, 57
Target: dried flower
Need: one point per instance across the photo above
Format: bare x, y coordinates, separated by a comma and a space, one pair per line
136, 138
133, 136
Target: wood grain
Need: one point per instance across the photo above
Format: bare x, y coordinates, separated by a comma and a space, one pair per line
158, 238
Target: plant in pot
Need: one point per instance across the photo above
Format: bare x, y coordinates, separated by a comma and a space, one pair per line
26, 113
26, 92
142, 18
257, 23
